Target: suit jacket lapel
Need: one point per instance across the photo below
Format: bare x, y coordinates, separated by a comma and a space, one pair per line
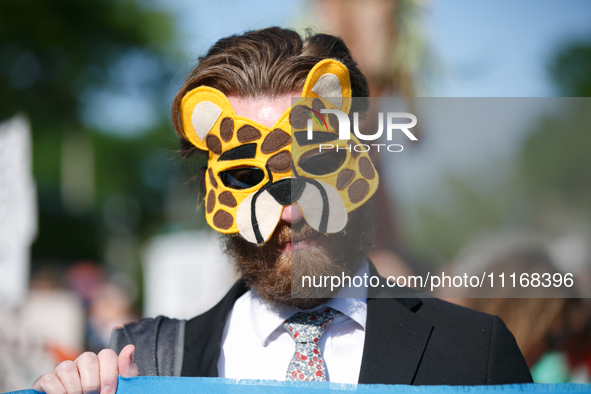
393, 333
203, 336
395, 337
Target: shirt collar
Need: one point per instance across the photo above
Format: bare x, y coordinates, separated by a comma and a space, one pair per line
351, 301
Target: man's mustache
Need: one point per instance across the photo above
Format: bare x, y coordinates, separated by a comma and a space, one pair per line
285, 232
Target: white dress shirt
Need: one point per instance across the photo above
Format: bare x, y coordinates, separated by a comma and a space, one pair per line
256, 346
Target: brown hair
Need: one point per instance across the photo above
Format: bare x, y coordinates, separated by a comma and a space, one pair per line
538, 324
268, 62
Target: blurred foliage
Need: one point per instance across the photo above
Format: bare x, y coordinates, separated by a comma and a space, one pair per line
463, 209
543, 188
411, 58
555, 159
59, 61
570, 67
52, 52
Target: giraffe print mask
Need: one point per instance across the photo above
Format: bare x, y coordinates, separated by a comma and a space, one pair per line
255, 171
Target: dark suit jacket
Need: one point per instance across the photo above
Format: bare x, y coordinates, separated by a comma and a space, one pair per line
419, 341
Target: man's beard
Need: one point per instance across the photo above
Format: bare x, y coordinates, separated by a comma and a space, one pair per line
276, 272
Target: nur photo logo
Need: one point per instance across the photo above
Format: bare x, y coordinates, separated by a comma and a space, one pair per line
392, 120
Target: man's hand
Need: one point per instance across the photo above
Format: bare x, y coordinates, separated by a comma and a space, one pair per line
89, 373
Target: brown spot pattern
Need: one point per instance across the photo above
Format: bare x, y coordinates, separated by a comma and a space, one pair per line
214, 144
317, 105
366, 169
276, 140
248, 133
298, 117
354, 153
223, 220
210, 201
345, 178
227, 129
334, 122
212, 180
358, 190
280, 162
227, 199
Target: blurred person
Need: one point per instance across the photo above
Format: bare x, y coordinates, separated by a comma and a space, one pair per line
85, 278
23, 354
542, 319
571, 252
46, 328
277, 225
109, 307
106, 304
54, 314
578, 349
539, 325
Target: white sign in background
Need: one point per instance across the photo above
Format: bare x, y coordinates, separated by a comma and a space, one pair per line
185, 274
18, 209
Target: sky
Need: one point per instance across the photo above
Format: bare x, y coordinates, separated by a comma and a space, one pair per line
486, 48
482, 48
501, 48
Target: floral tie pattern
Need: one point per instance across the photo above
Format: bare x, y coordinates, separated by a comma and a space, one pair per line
306, 328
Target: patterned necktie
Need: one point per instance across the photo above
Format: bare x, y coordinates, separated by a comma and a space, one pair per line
306, 328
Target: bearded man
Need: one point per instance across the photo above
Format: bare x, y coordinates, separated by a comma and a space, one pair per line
288, 212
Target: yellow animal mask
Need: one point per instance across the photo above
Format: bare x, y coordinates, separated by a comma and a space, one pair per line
255, 171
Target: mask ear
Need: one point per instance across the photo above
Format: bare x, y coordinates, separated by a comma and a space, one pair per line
329, 79
202, 109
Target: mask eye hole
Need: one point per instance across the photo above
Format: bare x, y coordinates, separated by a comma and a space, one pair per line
242, 178
322, 163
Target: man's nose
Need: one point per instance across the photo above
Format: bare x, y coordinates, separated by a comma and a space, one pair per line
292, 214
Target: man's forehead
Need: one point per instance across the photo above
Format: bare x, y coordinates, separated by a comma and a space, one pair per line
264, 110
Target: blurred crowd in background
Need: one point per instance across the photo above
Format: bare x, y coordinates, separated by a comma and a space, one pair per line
99, 217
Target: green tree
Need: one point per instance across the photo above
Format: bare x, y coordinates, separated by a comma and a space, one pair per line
569, 69
543, 187
555, 159
53, 52
59, 60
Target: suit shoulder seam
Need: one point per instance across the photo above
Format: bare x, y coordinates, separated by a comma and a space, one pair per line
489, 348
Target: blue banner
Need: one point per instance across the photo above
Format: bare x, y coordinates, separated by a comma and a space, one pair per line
171, 385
